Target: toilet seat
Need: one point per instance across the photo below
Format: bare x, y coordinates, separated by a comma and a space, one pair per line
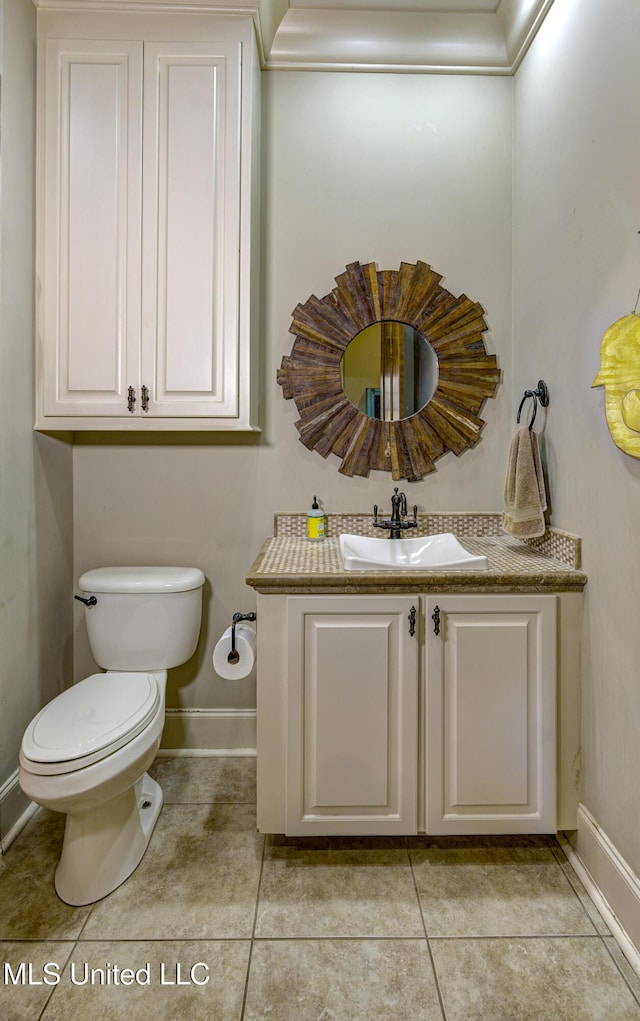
89, 721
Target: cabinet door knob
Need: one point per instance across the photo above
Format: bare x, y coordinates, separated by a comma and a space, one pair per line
435, 617
144, 395
131, 399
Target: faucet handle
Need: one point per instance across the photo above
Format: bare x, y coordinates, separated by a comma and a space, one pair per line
375, 513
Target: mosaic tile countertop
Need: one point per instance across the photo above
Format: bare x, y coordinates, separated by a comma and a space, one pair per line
290, 564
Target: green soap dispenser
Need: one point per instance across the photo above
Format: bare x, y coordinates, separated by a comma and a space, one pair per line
315, 522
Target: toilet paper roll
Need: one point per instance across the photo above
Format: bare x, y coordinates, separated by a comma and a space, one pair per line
245, 646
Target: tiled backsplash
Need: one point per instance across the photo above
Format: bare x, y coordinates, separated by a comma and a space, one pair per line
554, 543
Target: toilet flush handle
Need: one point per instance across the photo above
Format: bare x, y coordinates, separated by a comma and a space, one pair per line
91, 601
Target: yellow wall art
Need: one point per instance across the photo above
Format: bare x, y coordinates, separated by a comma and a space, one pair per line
620, 376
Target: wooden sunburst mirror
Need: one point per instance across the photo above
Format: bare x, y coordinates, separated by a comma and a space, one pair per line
365, 437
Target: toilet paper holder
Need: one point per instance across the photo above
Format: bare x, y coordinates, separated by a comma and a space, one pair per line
234, 655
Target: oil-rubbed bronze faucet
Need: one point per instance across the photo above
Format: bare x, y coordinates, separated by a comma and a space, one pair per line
398, 522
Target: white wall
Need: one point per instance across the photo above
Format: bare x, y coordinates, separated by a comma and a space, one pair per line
355, 167
35, 472
577, 270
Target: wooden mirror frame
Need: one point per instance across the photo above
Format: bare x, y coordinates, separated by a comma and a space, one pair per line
330, 423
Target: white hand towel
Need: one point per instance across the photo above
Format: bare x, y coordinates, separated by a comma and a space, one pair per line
525, 499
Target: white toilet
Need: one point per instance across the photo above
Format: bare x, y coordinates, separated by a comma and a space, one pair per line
85, 753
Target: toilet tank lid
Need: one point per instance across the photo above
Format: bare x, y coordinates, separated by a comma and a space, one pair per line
141, 579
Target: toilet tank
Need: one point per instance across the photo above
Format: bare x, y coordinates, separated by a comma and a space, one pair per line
144, 618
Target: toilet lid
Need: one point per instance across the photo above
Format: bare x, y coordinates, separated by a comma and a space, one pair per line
91, 719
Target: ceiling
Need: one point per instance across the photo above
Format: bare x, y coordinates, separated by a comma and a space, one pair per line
457, 36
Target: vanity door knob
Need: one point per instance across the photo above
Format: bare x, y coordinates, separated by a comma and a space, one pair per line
435, 617
412, 621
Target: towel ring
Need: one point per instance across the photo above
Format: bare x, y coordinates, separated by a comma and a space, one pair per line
529, 393
541, 394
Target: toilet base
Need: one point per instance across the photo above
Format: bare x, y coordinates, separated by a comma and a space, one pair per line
102, 847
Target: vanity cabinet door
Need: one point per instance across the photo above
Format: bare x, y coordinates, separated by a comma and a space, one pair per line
352, 727
145, 170
491, 714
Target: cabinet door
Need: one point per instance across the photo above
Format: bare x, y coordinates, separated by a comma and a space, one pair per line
92, 166
191, 223
352, 716
491, 714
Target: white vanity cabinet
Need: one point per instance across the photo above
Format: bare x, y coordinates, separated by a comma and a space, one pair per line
146, 143
490, 714
365, 728
352, 720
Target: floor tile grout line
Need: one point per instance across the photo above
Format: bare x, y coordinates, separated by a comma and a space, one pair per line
76, 942
426, 936
358, 938
340, 939
76, 945
605, 942
66, 963
38, 939
574, 882
337, 938
603, 936
200, 804
253, 931
167, 939
485, 937
460, 938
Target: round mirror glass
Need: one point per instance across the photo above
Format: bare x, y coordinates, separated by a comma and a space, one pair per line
389, 371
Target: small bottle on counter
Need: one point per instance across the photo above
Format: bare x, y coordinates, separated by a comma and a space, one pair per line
315, 522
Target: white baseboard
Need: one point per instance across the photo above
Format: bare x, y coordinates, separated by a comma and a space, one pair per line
612, 885
209, 732
205, 753
15, 811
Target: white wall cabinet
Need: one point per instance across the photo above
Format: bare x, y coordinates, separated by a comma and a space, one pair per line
364, 728
352, 728
146, 150
490, 720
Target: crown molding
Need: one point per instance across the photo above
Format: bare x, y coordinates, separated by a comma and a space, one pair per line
417, 36
468, 37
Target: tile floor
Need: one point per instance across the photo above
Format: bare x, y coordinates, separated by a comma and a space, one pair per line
220, 924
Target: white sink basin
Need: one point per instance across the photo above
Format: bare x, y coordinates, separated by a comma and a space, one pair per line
440, 552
